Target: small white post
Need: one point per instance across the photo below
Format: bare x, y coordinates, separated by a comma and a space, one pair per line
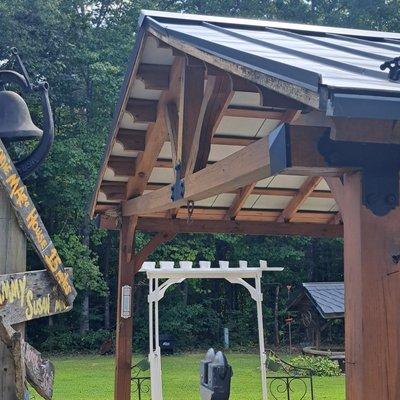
263, 357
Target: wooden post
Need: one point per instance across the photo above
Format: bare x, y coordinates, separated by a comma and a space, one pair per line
372, 286
124, 329
12, 259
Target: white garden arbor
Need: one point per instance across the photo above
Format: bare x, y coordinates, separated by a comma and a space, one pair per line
174, 276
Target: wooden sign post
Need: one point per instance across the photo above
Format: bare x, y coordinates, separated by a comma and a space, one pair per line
29, 295
31, 223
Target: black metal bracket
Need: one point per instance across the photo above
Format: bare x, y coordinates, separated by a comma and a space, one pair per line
178, 188
394, 68
380, 166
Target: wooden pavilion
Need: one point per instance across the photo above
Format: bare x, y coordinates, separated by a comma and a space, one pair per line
264, 128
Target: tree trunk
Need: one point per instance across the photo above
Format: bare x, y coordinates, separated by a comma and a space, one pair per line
106, 268
276, 317
85, 324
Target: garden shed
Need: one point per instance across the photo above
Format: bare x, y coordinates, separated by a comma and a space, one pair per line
317, 304
264, 128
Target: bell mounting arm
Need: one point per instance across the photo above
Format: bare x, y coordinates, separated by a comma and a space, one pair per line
29, 164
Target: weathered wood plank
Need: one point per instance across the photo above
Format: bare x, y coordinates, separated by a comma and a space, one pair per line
29, 295
39, 371
31, 223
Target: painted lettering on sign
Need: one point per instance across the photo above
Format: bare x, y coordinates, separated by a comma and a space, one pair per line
30, 295
32, 224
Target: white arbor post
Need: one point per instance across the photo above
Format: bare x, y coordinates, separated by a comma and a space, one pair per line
178, 275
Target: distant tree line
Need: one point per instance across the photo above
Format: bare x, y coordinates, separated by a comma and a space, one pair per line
82, 47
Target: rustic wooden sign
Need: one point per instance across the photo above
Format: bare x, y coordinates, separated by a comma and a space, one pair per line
32, 224
39, 371
29, 295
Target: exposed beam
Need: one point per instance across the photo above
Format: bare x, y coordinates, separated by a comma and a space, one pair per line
321, 194
269, 98
302, 195
239, 201
239, 227
286, 151
197, 98
142, 110
156, 134
154, 76
132, 140
150, 247
171, 119
252, 112
216, 106
122, 166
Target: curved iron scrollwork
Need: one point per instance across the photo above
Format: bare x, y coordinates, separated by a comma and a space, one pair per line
140, 379
296, 383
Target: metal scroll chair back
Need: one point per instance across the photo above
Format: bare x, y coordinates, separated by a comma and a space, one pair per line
287, 381
141, 379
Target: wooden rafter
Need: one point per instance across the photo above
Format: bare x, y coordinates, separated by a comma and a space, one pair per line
154, 76
216, 106
122, 166
142, 110
239, 201
132, 140
239, 227
156, 134
302, 195
252, 163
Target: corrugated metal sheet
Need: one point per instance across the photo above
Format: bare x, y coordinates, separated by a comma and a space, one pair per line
328, 298
312, 57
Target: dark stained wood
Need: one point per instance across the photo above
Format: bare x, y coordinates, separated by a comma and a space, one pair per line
29, 295
239, 227
301, 196
366, 130
216, 107
39, 371
32, 225
113, 190
142, 110
156, 133
239, 201
232, 140
124, 326
122, 166
252, 112
196, 99
150, 247
132, 140
172, 122
372, 297
154, 76
273, 99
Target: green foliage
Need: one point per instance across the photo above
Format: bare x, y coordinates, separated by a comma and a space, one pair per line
321, 366
78, 256
70, 342
83, 47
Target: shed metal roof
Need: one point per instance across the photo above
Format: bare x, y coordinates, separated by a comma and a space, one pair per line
331, 71
327, 297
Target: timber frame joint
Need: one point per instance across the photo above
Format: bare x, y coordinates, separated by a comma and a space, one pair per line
380, 166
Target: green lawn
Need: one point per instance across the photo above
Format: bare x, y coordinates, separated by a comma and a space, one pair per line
91, 377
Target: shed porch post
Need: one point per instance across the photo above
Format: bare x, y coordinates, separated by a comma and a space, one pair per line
124, 327
372, 296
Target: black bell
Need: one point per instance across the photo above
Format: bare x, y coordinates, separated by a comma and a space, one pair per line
15, 119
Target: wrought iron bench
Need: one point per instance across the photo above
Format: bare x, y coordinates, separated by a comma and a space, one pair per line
288, 381
140, 380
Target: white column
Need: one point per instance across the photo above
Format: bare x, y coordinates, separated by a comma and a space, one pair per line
263, 357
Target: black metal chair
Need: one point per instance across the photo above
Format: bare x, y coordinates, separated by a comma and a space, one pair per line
288, 381
140, 380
